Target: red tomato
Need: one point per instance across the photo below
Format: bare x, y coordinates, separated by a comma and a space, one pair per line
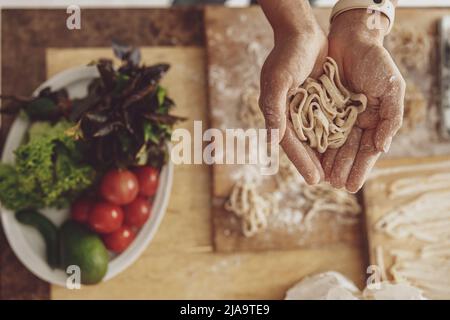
137, 212
105, 217
119, 240
80, 210
119, 187
148, 180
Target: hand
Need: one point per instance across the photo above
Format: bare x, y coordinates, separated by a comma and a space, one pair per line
295, 57
365, 67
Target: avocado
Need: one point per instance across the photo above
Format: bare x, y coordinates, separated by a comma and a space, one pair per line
81, 247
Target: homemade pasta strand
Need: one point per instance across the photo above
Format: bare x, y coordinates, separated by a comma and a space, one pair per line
425, 218
250, 206
427, 269
323, 111
418, 185
254, 207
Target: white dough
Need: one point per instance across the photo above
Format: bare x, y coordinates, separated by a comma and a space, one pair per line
389, 291
325, 286
332, 285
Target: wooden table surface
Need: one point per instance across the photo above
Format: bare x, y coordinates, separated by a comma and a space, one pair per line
180, 262
26, 35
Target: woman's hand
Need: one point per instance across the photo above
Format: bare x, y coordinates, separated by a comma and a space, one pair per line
365, 67
298, 53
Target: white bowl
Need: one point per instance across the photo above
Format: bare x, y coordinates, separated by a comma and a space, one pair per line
27, 243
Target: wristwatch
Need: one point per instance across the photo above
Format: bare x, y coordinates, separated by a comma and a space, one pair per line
385, 7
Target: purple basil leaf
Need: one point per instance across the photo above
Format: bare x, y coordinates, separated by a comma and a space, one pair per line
107, 73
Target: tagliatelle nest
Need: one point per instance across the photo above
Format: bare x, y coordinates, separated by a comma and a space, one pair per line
250, 206
254, 205
323, 111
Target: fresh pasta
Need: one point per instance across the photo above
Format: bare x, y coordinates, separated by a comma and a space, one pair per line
323, 111
251, 207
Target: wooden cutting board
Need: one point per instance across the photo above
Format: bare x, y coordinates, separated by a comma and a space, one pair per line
237, 44
378, 203
238, 40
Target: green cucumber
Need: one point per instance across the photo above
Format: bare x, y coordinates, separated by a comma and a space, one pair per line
48, 231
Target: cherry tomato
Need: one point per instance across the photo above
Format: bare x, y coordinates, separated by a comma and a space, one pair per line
80, 210
148, 180
105, 217
137, 212
120, 239
119, 187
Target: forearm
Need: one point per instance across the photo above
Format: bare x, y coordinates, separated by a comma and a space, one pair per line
289, 16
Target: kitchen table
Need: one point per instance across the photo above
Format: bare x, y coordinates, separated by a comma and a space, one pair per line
180, 262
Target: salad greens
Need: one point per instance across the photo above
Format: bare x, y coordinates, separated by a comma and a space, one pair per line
49, 170
124, 120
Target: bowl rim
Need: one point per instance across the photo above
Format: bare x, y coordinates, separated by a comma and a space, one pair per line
21, 248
